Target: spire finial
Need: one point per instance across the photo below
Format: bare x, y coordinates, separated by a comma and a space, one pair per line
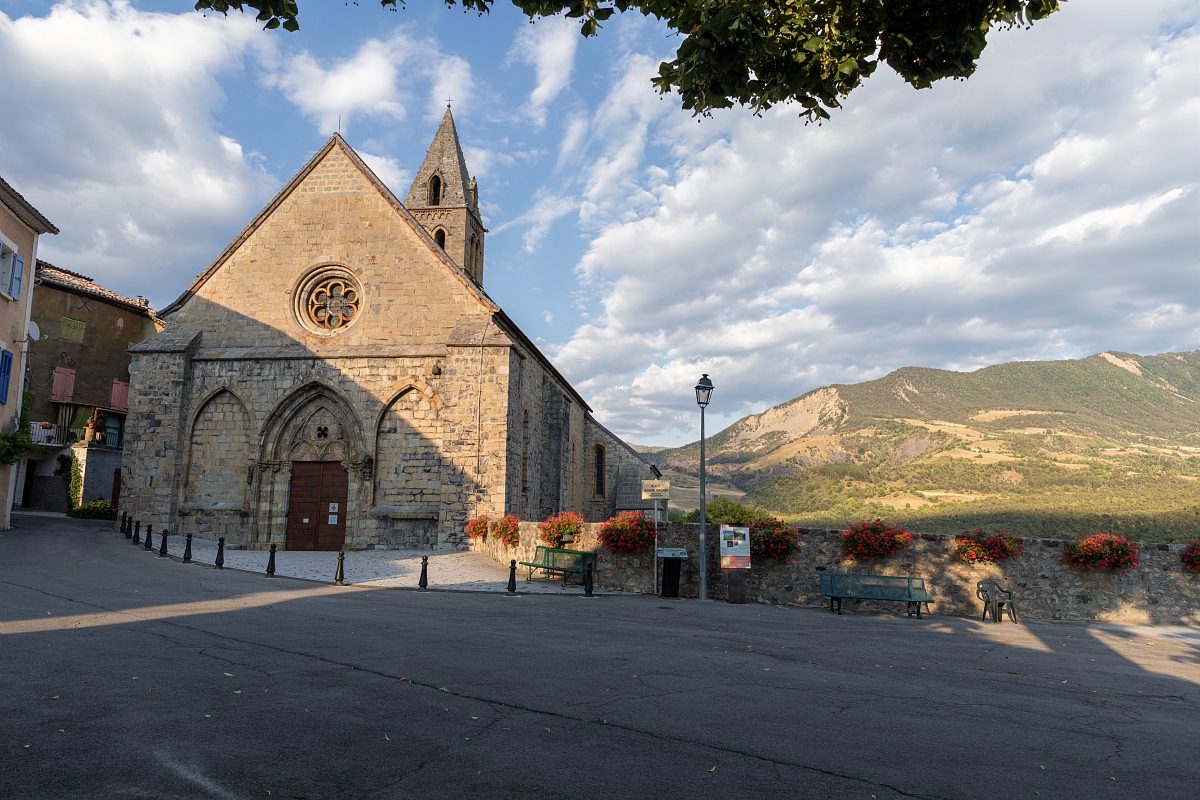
447, 102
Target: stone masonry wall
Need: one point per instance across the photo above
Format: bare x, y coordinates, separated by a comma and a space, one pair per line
1157, 591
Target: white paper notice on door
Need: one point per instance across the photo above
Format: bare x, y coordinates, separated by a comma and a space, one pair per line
333, 519
306, 519
333, 507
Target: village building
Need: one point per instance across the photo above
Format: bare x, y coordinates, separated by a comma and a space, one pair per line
339, 379
21, 226
78, 370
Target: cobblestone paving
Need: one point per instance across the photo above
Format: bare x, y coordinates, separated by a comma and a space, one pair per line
461, 571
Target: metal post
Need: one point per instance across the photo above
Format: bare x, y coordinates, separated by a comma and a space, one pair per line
339, 578
512, 576
137, 532
423, 583
220, 553
187, 549
149, 534
162, 551
654, 561
703, 522
587, 580
271, 562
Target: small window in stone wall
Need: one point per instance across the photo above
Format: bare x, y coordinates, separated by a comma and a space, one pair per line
599, 469
71, 330
439, 236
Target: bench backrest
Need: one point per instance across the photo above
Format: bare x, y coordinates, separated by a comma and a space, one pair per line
869, 586
558, 558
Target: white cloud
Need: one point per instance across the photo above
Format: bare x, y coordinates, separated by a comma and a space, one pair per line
388, 170
549, 47
110, 133
1042, 209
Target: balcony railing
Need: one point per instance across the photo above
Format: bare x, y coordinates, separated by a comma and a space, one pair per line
42, 435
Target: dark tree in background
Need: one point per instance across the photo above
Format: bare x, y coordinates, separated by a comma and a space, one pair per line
758, 53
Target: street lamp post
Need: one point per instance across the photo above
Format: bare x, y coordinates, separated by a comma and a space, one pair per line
704, 389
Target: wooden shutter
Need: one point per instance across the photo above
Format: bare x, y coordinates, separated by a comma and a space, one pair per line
64, 385
18, 277
5, 374
120, 396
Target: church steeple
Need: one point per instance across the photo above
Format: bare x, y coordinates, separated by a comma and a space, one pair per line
445, 199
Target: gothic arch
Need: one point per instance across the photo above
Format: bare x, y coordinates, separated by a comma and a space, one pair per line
408, 385
200, 403
314, 423
219, 440
409, 469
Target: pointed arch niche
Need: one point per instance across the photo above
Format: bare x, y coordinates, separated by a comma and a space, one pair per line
218, 455
410, 471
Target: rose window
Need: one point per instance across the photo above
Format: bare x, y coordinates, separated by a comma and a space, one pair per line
332, 303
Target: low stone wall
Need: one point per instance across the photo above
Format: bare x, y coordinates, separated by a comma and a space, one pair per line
1158, 591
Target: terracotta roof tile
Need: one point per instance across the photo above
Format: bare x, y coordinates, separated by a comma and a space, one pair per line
72, 281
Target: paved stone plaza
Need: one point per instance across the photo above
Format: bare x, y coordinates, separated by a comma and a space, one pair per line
127, 675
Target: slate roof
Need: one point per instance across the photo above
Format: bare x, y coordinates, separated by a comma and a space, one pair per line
445, 157
25, 211
61, 278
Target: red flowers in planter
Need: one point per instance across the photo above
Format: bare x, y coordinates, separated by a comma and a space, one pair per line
629, 531
477, 527
507, 530
1191, 556
873, 539
978, 546
1102, 551
772, 540
557, 528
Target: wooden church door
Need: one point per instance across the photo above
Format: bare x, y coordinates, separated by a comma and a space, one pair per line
317, 506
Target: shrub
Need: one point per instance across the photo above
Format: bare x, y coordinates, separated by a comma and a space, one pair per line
97, 509
978, 546
558, 527
75, 484
1102, 551
477, 527
873, 539
1191, 556
628, 531
507, 530
772, 540
722, 509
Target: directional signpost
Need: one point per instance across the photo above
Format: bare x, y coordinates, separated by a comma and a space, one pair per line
656, 490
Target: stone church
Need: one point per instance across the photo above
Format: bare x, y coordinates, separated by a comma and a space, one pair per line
339, 379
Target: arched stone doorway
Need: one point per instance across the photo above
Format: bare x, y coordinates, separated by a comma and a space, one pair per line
313, 471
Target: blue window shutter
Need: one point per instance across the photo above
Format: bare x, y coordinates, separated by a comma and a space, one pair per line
14, 289
5, 374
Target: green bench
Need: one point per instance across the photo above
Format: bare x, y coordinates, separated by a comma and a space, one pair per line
837, 586
556, 559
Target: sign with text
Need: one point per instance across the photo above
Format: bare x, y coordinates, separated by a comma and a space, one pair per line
735, 547
656, 490
672, 552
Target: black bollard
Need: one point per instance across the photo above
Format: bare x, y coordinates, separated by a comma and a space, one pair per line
271, 562
424, 582
127, 526
149, 535
587, 580
124, 520
512, 577
339, 579
220, 553
137, 532
187, 549
162, 551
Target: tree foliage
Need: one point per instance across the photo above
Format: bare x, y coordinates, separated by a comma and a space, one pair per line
759, 53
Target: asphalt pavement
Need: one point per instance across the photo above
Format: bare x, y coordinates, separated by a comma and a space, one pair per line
126, 675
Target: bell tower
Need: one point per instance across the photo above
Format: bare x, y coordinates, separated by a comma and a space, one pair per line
445, 199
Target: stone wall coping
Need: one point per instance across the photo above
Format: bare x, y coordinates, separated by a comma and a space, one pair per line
216, 509
168, 341
407, 512
303, 353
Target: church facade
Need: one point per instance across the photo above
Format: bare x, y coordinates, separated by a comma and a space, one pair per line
339, 379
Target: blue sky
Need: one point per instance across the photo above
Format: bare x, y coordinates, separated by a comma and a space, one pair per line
1045, 208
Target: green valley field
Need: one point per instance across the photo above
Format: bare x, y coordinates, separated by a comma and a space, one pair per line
1048, 449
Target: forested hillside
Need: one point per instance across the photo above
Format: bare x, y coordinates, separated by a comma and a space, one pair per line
1046, 448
